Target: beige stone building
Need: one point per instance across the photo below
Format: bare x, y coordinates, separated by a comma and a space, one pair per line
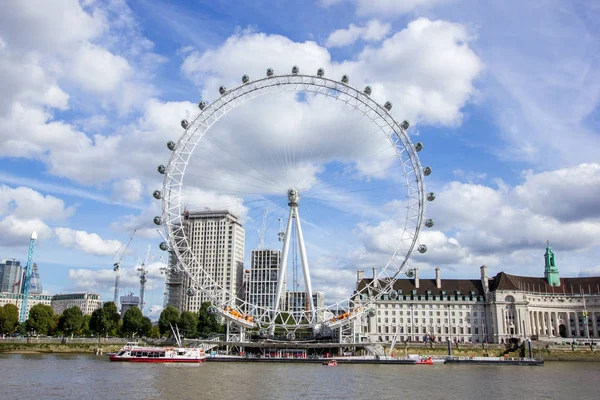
17, 299
87, 302
494, 309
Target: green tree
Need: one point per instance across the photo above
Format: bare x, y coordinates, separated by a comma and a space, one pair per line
147, 327
208, 323
71, 321
9, 319
85, 326
188, 324
132, 321
168, 316
155, 332
105, 320
41, 319
113, 315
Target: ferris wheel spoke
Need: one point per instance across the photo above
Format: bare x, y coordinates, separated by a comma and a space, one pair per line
243, 160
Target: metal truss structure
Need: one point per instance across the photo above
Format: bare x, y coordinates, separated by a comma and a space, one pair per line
340, 314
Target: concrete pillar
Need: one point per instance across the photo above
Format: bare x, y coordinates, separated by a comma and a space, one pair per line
569, 325
577, 331
556, 327
586, 327
594, 325
536, 323
438, 279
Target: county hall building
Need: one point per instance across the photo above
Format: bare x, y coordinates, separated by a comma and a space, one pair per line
495, 309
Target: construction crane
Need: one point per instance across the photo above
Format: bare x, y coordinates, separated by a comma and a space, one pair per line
281, 233
27, 279
117, 266
143, 271
262, 230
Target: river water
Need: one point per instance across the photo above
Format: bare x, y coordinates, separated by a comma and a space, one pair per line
49, 376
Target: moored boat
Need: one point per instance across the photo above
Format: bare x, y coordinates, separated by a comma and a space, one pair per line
134, 353
330, 363
427, 361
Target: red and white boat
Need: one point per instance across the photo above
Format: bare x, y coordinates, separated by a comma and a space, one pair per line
133, 352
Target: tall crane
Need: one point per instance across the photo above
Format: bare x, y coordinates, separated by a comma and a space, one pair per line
143, 271
261, 231
27, 277
117, 266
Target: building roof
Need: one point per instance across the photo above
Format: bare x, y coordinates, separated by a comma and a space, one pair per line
451, 286
504, 281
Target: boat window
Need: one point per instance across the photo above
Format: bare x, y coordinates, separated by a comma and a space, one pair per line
144, 354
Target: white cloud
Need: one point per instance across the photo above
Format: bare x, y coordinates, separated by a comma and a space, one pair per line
567, 194
98, 70
16, 232
90, 243
23, 210
372, 31
386, 8
128, 190
98, 280
26, 203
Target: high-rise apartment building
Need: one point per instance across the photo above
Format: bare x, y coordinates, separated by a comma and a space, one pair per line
264, 271
296, 302
10, 276
217, 240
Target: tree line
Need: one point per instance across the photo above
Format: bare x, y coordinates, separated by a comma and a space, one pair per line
106, 321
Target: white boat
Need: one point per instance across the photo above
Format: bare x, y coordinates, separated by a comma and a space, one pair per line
133, 352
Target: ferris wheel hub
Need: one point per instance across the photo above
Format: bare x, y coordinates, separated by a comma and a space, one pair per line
293, 197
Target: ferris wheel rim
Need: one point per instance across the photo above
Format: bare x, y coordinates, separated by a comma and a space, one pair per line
378, 115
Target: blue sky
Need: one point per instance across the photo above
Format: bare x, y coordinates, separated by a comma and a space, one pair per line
504, 95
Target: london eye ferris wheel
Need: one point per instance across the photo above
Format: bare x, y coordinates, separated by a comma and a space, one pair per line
320, 158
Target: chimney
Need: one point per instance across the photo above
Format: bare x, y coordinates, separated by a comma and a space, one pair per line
417, 278
438, 280
360, 275
375, 283
484, 279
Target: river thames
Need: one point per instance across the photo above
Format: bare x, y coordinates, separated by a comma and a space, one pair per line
50, 376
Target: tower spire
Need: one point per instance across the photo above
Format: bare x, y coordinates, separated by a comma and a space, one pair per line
550, 269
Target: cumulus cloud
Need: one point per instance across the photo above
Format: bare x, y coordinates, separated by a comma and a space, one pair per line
128, 190
432, 79
567, 194
90, 243
24, 210
372, 31
42, 61
103, 280
98, 70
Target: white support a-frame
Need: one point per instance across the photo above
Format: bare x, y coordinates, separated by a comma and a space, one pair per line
294, 198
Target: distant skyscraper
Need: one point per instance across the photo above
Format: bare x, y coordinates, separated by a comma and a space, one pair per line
295, 301
264, 271
10, 276
35, 283
217, 240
